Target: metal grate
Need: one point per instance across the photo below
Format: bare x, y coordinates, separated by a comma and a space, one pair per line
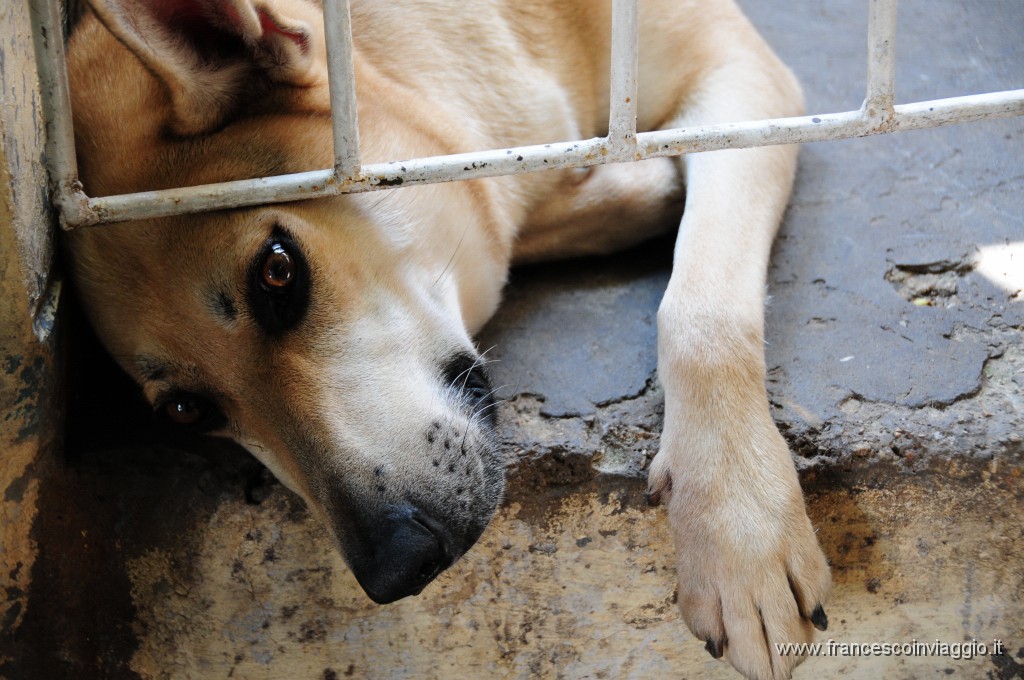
877, 115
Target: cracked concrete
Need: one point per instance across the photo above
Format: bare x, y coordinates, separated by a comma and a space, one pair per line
879, 319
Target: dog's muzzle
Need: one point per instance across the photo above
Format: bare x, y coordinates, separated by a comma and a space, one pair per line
409, 550
399, 528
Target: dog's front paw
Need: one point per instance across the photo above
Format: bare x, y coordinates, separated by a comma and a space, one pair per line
752, 578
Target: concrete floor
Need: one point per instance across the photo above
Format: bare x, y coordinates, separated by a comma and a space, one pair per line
896, 371
578, 583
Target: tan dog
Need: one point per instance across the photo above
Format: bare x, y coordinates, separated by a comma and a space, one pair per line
332, 338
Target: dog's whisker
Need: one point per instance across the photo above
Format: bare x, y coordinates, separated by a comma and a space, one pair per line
477, 363
382, 199
466, 373
454, 253
492, 392
452, 386
491, 399
465, 379
484, 354
477, 415
469, 371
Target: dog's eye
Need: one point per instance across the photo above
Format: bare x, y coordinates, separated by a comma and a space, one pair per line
278, 269
192, 411
278, 289
183, 412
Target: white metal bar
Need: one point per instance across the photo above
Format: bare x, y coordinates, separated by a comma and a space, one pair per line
878, 115
541, 157
62, 164
342, 81
880, 97
624, 58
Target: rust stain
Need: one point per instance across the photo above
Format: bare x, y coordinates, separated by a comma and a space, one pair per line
29, 413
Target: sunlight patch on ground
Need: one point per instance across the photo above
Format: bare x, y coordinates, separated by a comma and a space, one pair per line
1003, 265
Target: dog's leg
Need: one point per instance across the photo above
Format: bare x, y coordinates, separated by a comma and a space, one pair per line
751, 573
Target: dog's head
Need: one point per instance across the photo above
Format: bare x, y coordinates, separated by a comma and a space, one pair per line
322, 336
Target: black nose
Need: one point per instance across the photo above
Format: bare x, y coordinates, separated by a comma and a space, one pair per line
406, 550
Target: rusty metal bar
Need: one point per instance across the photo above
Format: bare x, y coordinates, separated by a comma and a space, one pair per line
342, 81
517, 160
880, 97
624, 58
61, 162
878, 115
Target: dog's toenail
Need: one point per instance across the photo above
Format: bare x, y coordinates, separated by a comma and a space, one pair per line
819, 619
714, 648
653, 498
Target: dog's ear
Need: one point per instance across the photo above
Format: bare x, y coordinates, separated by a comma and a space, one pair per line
203, 51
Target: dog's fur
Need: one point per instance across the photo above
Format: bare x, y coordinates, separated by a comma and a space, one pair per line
356, 382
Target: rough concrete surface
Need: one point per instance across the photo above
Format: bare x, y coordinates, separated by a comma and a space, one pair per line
896, 371
29, 418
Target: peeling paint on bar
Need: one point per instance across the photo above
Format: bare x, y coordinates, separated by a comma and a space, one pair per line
623, 106
476, 165
62, 164
876, 116
881, 89
342, 82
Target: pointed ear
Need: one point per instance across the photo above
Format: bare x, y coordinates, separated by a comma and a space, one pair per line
206, 51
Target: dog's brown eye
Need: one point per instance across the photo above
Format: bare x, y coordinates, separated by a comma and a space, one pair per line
278, 292
193, 411
278, 268
183, 411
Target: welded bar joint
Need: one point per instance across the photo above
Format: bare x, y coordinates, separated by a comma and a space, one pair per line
877, 115
342, 82
624, 64
476, 165
880, 98
62, 165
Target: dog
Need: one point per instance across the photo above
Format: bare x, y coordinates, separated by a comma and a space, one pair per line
332, 338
